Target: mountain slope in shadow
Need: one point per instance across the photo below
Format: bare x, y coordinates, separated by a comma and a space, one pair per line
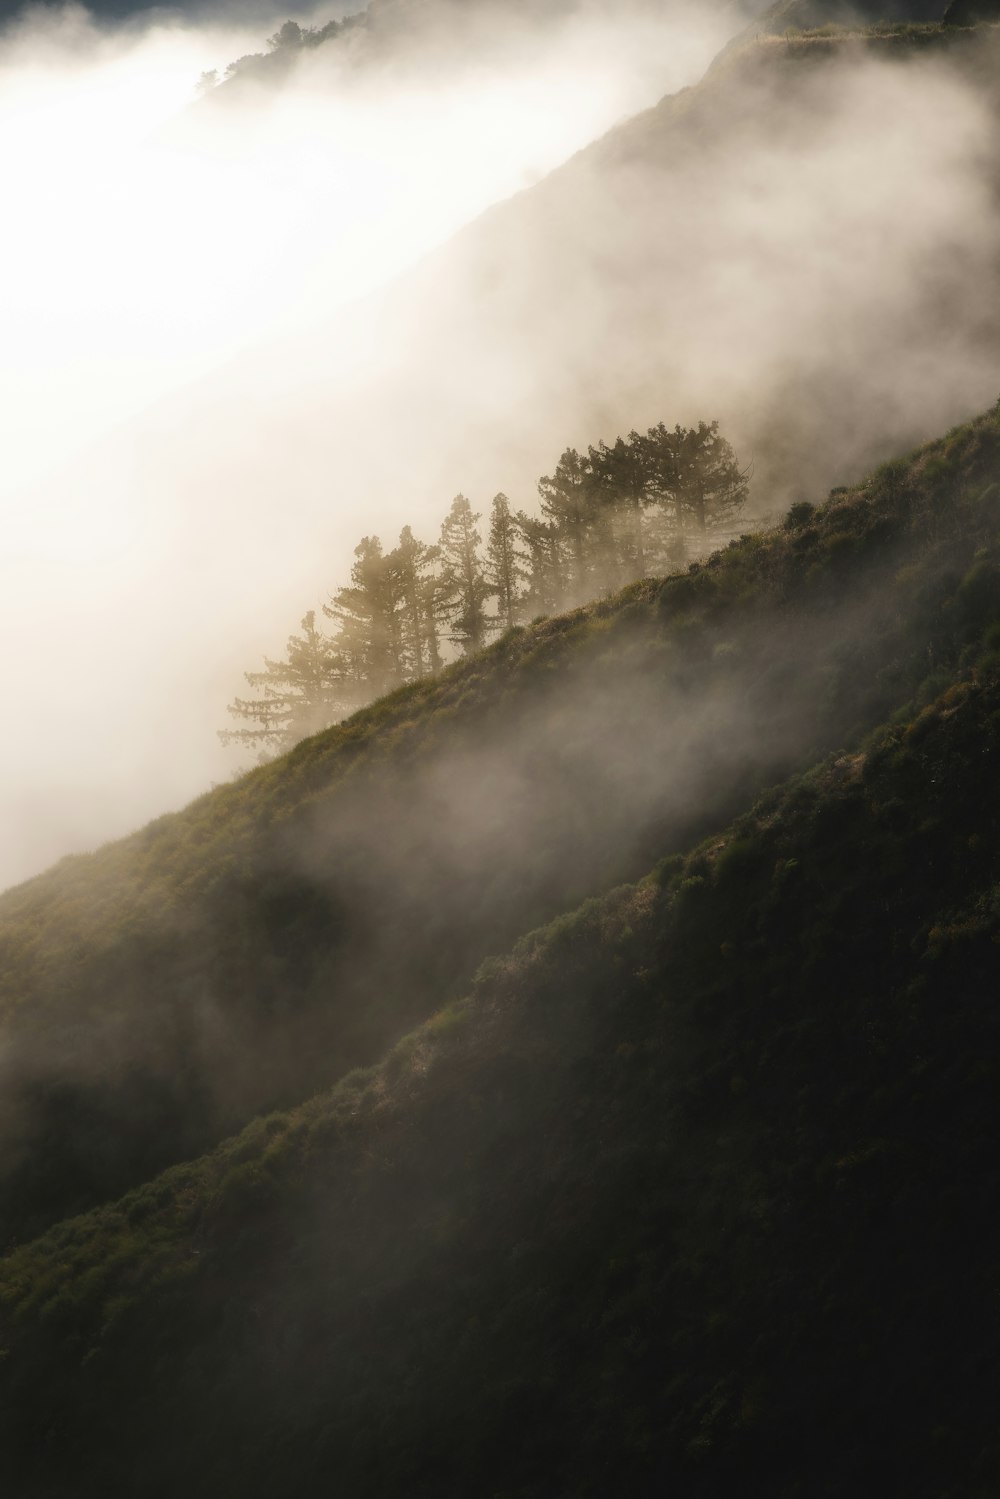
697, 1187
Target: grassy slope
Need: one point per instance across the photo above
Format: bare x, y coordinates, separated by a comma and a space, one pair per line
248, 951
653, 1205
698, 1186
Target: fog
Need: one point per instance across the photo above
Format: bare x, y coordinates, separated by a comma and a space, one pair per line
243, 336
154, 240
296, 927
148, 240
313, 304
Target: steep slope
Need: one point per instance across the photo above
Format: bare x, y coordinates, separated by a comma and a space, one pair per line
638, 277
248, 951
697, 1190
804, 246
652, 271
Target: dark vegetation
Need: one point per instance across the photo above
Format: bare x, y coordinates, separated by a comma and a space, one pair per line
283, 49
611, 516
379, 26
817, 30
283, 929
696, 1190
291, 39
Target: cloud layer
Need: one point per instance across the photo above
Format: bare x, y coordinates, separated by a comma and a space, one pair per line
238, 348
152, 243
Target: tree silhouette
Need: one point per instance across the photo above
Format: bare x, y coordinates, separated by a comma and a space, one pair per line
306, 692
366, 612
695, 481
546, 575
465, 588
569, 503
606, 519
621, 483
411, 568
505, 570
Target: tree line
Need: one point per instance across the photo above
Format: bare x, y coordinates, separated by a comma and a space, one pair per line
620, 512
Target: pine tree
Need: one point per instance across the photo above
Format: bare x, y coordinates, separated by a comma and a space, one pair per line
465, 588
367, 613
411, 566
546, 574
621, 483
299, 696
568, 502
434, 593
695, 480
505, 570
605, 518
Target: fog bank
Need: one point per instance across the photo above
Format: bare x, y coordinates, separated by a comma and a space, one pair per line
155, 243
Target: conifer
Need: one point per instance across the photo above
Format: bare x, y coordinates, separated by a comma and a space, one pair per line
465, 587
299, 696
505, 570
368, 618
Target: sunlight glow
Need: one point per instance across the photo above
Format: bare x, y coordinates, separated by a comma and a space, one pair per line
167, 258
150, 238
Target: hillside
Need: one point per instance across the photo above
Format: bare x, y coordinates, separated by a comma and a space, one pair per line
697, 1186
822, 332
586, 303
246, 952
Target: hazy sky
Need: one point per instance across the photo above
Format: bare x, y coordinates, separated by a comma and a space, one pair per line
147, 241
242, 333
150, 241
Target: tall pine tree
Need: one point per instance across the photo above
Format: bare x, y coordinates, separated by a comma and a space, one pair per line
695, 481
505, 570
412, 567
621, 483
568, 502
368, 616
465, 588
546, 589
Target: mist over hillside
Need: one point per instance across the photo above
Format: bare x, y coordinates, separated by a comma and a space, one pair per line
804, 246
207, 230
572, 1072
697, 1184
235, 957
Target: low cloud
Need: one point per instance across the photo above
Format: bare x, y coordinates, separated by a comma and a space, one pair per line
155, 247
805, 247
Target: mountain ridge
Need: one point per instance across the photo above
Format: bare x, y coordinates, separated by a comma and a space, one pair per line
234, 956
625, 329
576, 1073
647, 1206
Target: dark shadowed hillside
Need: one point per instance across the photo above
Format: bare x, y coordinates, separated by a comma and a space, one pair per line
696, 1189
577, 1073
285, 928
